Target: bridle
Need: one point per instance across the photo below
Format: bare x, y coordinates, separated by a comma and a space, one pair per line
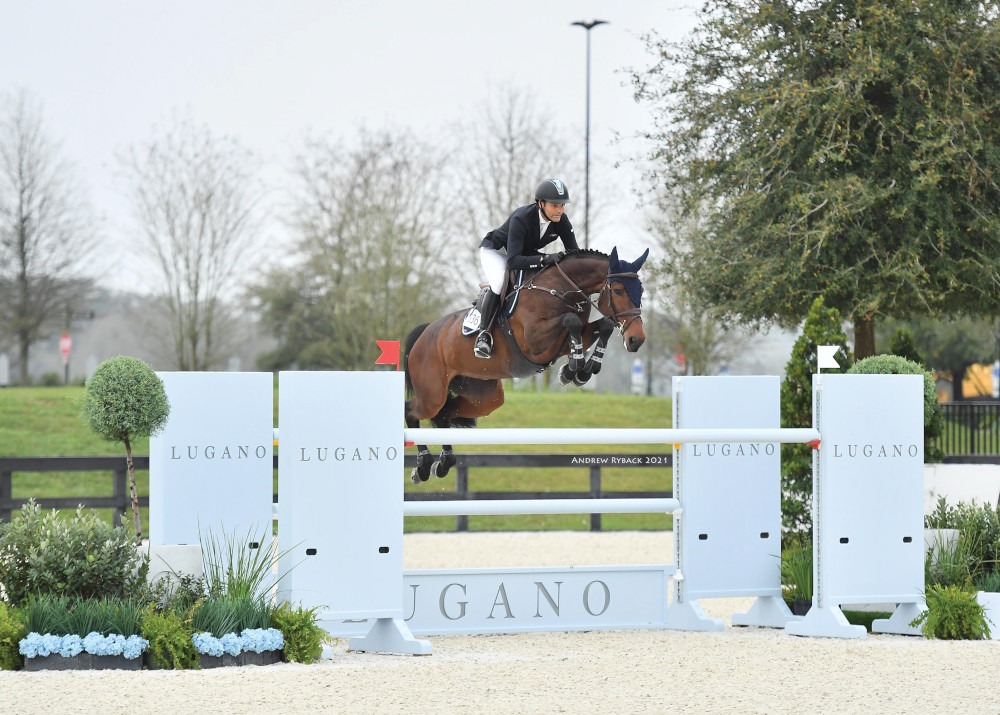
619, 318
583, 305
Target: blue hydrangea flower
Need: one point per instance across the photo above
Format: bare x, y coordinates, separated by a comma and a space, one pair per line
134, 647
28, 646
207, 643
115, 644
70, 645
49, 644
93, 643
259, 640
231, 643
34, 645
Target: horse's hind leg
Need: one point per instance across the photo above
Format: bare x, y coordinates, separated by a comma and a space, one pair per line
476, 398
430, 392
422, 471
445, 461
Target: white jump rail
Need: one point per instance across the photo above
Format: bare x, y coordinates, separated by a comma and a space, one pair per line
607, 435
603, 435
498, 507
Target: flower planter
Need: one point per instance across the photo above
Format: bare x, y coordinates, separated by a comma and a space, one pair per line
82, 661
268, 657
801, 606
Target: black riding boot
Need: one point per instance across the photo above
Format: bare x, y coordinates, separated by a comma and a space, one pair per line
488, 310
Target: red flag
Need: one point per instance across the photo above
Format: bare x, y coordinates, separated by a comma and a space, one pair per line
390, 353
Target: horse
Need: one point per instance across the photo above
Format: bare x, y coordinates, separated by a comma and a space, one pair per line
542, 316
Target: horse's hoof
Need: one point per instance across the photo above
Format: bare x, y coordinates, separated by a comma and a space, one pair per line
420, 473
581, 379
593, 367
443, 464
565, 375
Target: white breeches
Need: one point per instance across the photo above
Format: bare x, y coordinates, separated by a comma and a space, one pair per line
494, 266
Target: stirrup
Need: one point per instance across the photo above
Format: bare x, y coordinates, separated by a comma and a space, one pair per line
484, 345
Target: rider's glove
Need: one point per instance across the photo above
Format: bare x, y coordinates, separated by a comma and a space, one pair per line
550, 259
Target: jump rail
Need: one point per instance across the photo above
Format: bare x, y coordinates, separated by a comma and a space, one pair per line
496, 507
623, 435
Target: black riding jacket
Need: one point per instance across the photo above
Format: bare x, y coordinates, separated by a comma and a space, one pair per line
519, 235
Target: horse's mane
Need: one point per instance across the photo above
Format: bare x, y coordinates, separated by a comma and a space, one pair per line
584, 252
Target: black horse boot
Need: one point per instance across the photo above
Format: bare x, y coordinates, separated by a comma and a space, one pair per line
484, 341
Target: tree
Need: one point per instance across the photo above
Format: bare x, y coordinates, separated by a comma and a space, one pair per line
374, 254
901, 344
195, 199
846, 149
125, 399
690, 331
822, 327
953, 345
46, 231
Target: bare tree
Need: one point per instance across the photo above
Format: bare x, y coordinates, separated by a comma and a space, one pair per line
46, 232
195, 199
692, 333
375, 253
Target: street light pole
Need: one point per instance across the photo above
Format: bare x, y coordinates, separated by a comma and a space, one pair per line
587, 25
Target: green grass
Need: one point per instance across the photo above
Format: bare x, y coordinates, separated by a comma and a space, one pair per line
570, 409
47, 422
38, 421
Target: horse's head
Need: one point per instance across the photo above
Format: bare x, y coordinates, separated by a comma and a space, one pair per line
624, 291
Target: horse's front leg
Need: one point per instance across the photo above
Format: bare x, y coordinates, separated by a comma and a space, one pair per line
604, 328
574, 326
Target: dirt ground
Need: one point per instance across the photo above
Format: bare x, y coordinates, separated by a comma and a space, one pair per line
738, 670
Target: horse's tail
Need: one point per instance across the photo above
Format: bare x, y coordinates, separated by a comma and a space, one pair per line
410, 340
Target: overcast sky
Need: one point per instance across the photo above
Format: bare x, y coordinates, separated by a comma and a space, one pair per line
107, 72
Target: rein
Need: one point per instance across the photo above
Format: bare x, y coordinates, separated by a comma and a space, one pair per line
581, 306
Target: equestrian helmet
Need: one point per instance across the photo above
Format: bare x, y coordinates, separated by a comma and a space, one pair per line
553, 191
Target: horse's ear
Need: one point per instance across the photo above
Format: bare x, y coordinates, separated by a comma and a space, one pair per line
642, 259
613, 258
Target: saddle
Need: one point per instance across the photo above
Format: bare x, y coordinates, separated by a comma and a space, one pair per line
473, 319
520, 366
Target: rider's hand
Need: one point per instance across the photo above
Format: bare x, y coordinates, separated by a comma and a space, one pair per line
550, 259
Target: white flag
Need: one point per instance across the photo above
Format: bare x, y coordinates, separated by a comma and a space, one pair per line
825, 356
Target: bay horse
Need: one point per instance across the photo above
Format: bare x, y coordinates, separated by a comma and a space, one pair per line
542, 318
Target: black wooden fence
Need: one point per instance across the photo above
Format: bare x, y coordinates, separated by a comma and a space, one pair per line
120, 502
971, 434
971, 431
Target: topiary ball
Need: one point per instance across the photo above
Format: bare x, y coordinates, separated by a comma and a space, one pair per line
896, 365
124, 398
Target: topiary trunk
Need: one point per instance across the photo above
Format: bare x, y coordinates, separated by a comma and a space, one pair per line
132, 492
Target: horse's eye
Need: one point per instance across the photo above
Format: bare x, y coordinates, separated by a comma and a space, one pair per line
619, 291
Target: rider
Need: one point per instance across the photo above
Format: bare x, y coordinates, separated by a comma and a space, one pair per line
516, 246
